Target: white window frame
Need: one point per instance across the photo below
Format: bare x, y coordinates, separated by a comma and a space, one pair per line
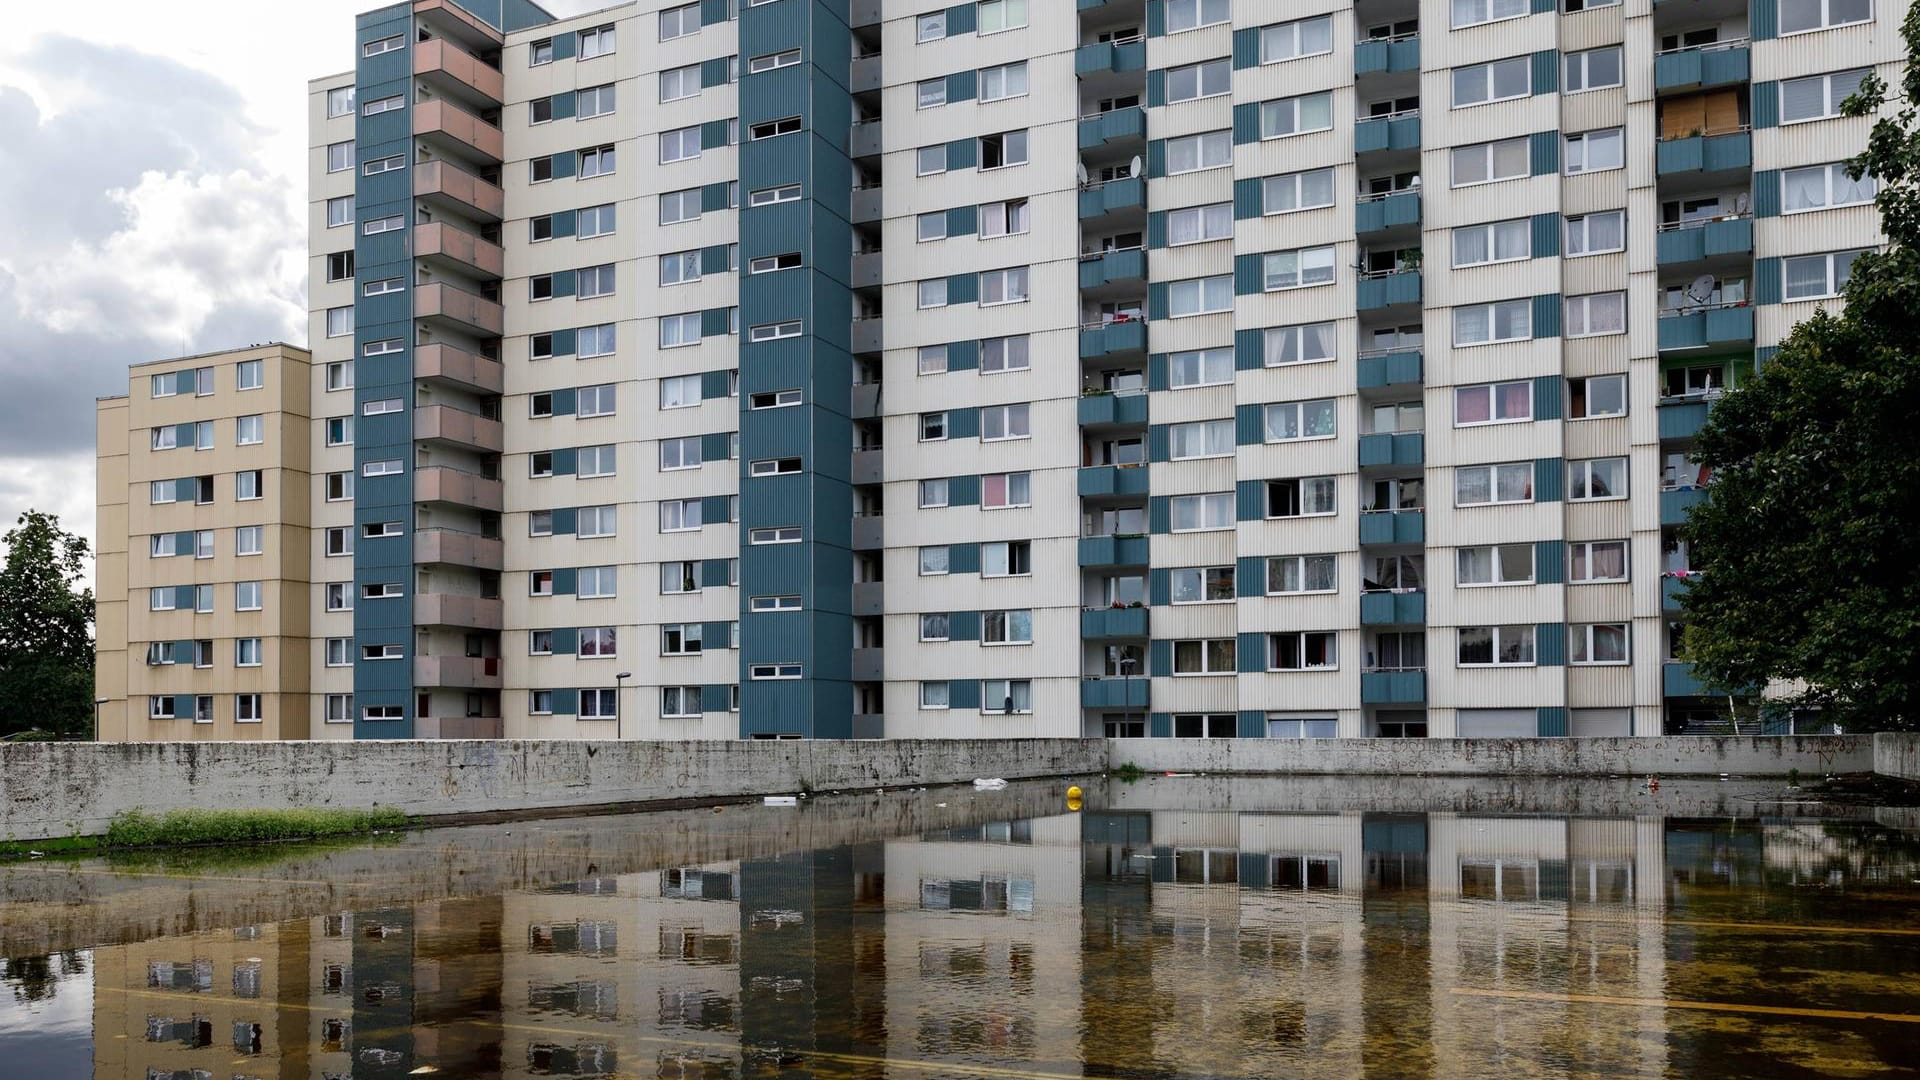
1490, 234
1290, 40
1489, 155
1501, 636
1494, 471
1208, 78
1579, 321
1493, 311
1585, 141
1581, 558
1496, 565
1586, 230
1210, 150
1832, 272
1195, 440
1488, 75
1581, 639
1294, 107
1296, 185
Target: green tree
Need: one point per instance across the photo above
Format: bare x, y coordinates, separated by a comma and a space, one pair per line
46, 630
1810, 545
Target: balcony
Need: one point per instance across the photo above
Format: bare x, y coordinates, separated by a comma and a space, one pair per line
863, 139
1402, 367
1677, 680
1109, 410
1400, 131
1389, 289
443, 243
1719, 64
456, 73
1671, 589
457, 427
449, 609
1393, 527
1724, 325
1682, 418
1113, 551
869, 532
1112, 339
869, 665
445, 363
1113, 57
469, 313
868, 334
1389, 448
1393, 687
1704, 240
864, 75
1114, 693
1393, 608
451, 547
1705, 154
1115, 125
1376, 213
445, 186
1128, 266
455, 132
1675, 502
1112, 197
869, 598
866, 402
457, 672
869, 269
1103, 624
869, 726
869, 467
866, 206
1397, 54
1107, 481
439, 484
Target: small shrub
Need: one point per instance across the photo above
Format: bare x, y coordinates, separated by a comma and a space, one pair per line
1129, 772
137, 828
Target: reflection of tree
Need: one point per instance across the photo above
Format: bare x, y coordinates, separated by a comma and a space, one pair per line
37, 978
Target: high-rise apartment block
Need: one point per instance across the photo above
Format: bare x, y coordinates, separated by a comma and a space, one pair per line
1139, 368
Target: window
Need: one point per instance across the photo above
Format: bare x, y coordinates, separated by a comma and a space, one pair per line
775, 399
679, 22
339, 211
1823, 186
246, 484
383, 467
771, 196
1312, 496
1001, 354
592, 341
1596, 314
1294, 269
340, 596
933, 493
1595, 234
1288, 421
1213, 656
339, 486
1594, 151
1294, 191
1812, 277
774, 603
1594, 69
680, 144
377, 106
599, 705
1484, 163
1293, 40
594, 281
788, 466
1202, 367
246, 596
1473, 12
375, 530
681, 453
1478, 84
1200, 439
1003, 286
381, 287
339, 431
1502, 564
1597, 396
1492, 402
679, 702
935, 626
1486, 324
340, 266
392, 163
340, 652
597, 582
767, 264
680, 515
1486, 485
1192, 14
1199, 224
1296, 115
339, 541
1312, 650
930, 93
164, 438
339, 156
1597, 643
1596, 561
1201, 584
678, 330
1298, 344
1817, 97
1302, 574
933, 695
246, 652
786, 125
997, 15
774, 331
599, 641
591, 401
679, 83
1496, 646
598, 41
1498, 241
1005, 81
246, 710
592, 461
340, 101
680, 576
1587, 5
1196, 513
934, 561
1200, 296
384, 45
932, 293
931, 27
161, 599
249, 375
1209, 79
1010, 218
678, 206
1002, 696
1002, 422
773, 61
1011, 558
766, 672
1800, 16
1207, 150
1002, 490
385, 590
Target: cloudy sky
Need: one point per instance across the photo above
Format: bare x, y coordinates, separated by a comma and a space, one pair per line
152, 194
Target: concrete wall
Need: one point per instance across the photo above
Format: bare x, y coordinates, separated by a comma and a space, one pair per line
1691, 756
1897, 755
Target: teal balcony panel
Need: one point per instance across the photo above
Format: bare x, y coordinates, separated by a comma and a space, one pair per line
1704, 153
1101, 624
1387, 133
1110, 56
1393, 609
1671, 589
1389, 369
1118, 337
1393, 687
1113, 266
1400, 287
1114, 693
1099, 409
1701, 68
1406, 448
1729, 325
1399, 208
1677, 680
1731, 237
1675, 504
1113, 195
1393, 527
1682, 419
1113, 551
1376, 57
1105, 480
1112, 126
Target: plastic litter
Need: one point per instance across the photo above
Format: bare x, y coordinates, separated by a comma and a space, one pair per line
994, 784
782, 800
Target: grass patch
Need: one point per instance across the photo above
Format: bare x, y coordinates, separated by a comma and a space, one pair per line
177, 828
1129, 772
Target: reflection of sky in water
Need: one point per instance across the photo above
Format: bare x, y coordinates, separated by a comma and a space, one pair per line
909, 938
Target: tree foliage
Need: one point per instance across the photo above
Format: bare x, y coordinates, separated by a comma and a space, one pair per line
1810, 545
46, 630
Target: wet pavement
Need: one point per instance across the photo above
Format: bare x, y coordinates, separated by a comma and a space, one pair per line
1170, 928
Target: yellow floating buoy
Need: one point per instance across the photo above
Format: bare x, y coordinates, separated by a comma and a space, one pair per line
1073, 798
1074, 792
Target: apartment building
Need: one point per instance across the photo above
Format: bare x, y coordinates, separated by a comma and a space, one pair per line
202, 579
800, 368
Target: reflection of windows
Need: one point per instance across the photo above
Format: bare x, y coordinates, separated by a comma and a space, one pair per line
696, 884
599, 999
1499, 879
988, 894
575, 938
1196, 866
1308, 873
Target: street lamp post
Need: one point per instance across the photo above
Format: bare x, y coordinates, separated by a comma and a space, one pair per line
97, 702
620, 704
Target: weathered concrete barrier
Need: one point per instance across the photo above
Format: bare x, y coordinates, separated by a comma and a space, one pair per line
1689, 756
1897, 755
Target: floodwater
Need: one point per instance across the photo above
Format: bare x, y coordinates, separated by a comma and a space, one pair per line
1170, 928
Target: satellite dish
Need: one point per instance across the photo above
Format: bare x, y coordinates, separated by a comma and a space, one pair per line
1415, 182
1133, 167
1740, 204
1080, 170
1701, 290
